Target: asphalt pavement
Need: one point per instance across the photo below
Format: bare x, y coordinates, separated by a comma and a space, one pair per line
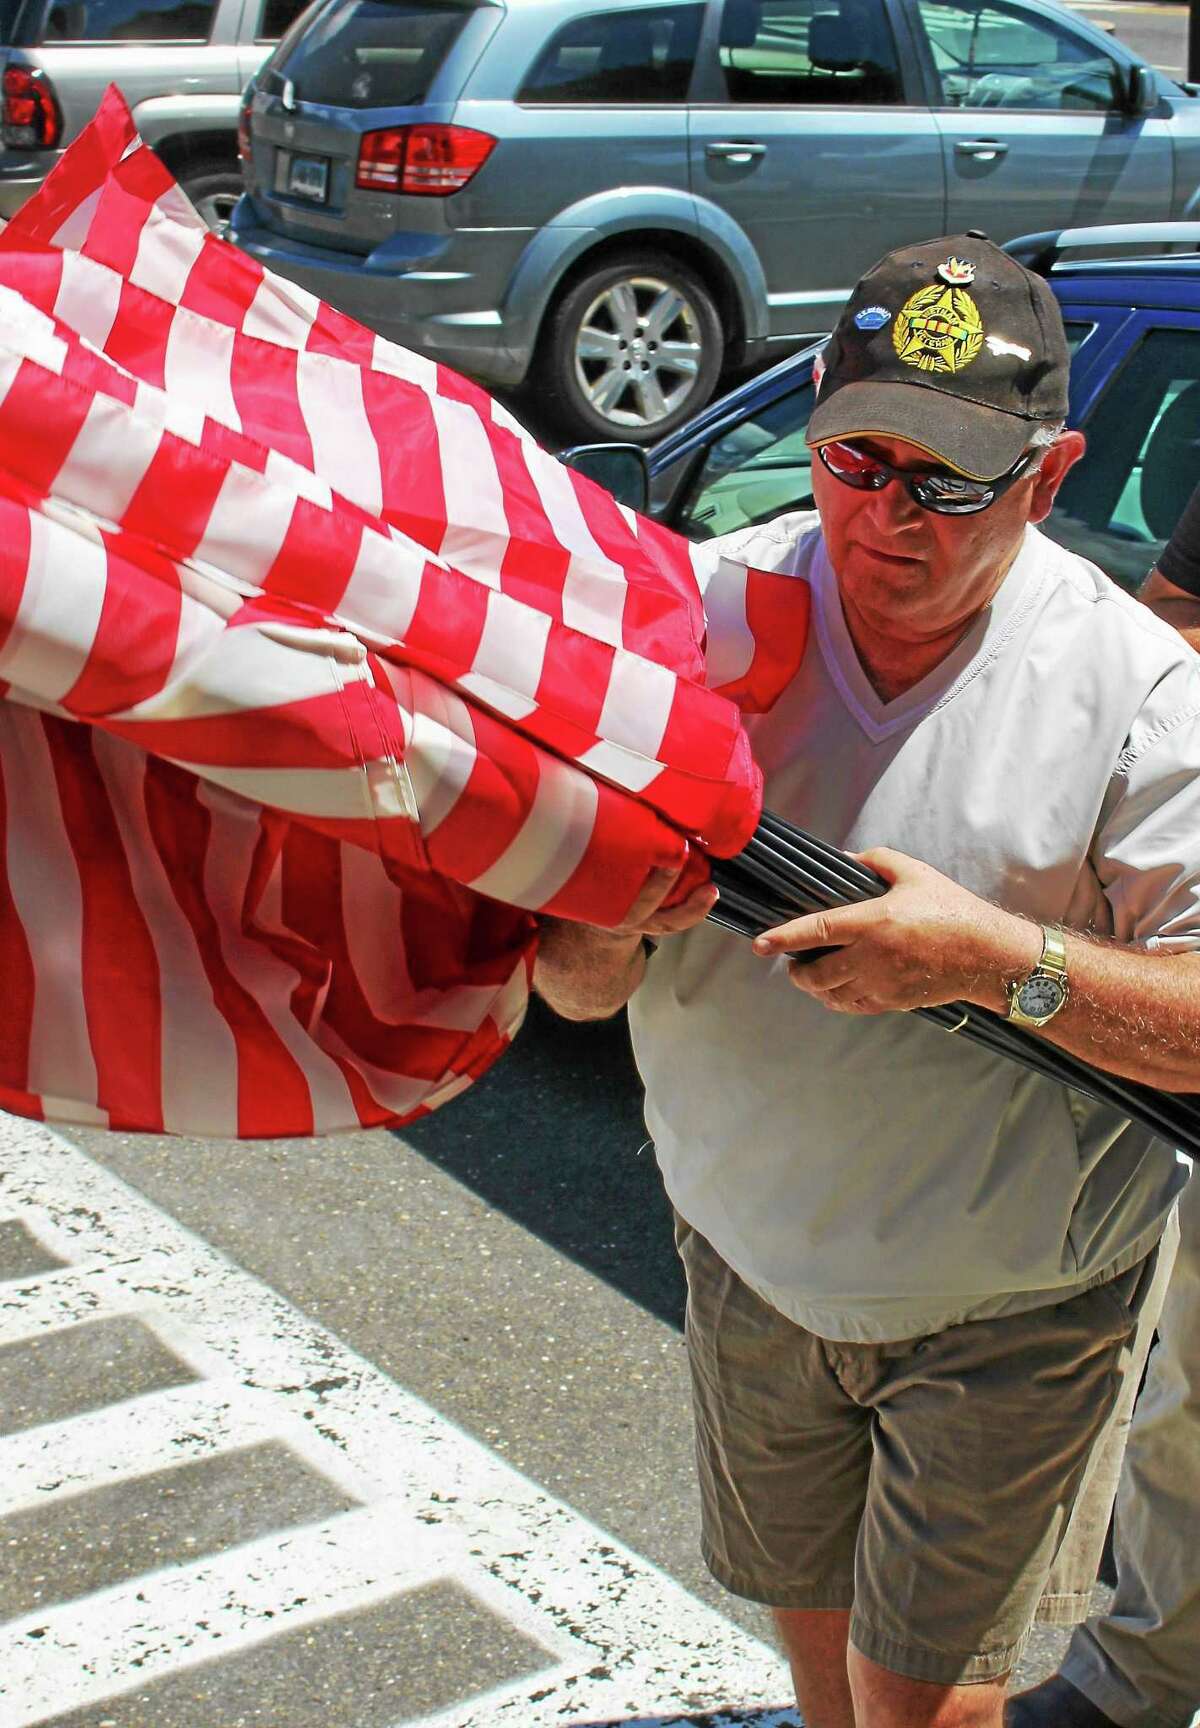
380, 1430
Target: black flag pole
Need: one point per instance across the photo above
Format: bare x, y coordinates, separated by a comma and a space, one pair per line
783, 872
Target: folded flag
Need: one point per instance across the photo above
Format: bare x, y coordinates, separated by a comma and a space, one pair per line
322, 680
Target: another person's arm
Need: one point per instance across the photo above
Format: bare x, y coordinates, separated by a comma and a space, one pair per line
1172, 589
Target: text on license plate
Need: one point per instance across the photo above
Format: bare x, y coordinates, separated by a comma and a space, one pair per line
308, 177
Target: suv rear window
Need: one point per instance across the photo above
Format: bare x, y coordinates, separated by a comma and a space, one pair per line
619, 57
129, 21
371, 53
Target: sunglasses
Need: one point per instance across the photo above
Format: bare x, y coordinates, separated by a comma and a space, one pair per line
939, 490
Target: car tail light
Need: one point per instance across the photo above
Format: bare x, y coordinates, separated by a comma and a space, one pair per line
431, 161
31, 117
244, 147
381, 160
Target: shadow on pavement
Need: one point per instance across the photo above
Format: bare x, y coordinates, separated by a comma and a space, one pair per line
554, 1137
722, 1719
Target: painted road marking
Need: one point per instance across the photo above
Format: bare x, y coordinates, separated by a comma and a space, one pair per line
622, 1639
122, 1440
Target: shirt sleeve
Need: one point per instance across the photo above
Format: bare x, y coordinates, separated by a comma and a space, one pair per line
1147, 848
1180, 561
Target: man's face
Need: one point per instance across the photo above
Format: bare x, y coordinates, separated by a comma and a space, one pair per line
914, 576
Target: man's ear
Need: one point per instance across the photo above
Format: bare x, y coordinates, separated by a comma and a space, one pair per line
1052, 470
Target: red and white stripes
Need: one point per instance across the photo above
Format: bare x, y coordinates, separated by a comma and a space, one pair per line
308, 648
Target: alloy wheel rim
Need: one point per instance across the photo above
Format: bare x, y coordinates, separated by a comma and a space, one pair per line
216, 209
638, 351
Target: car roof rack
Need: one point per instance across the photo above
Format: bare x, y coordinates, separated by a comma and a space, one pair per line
1041, 252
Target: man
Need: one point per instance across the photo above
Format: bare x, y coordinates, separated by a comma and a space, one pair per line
1138, 1665
919, 1275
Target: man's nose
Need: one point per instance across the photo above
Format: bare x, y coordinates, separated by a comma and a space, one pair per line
894, 508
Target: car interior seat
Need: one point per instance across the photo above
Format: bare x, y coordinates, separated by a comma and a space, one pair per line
67, 22
1171, 463
741, 23
853, 40
740, 27
831, 43
626, 64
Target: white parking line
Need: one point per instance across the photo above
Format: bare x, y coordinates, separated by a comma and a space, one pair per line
623, 1641
133, 1438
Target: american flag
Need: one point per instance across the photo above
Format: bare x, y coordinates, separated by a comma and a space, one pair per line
322, 679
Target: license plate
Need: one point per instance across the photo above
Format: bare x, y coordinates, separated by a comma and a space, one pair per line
308, 177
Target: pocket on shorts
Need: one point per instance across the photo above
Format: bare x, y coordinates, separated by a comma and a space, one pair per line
1127, 1292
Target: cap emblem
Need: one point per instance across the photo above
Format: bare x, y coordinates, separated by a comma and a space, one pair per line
872, 317
957, 271
938, 330
998, 346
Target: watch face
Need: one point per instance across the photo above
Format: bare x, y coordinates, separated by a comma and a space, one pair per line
1040, 996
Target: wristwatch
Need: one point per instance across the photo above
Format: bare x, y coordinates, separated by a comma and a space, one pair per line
1038, 996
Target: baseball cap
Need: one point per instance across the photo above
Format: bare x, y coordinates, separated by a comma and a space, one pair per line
951, 345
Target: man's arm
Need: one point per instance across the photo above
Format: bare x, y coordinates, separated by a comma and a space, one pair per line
1174, 605
927, 941
587, 974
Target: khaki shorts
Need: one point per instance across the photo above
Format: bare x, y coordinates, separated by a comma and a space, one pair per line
924, 1485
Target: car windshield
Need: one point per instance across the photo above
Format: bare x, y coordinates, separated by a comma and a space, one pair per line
370, 53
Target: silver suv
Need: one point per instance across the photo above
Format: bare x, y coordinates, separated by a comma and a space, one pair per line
619, 200
182, 65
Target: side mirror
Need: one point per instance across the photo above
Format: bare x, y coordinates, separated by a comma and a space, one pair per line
621, 469
1141, 90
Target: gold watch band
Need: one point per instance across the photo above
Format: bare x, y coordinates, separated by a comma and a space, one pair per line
1054, 951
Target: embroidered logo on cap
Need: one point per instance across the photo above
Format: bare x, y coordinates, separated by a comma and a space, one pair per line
999, 346
872, 317
938, 329
957, 271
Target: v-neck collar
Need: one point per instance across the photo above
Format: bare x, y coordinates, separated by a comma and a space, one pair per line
983, 640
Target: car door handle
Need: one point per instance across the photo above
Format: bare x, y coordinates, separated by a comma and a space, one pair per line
739, 150
982, 149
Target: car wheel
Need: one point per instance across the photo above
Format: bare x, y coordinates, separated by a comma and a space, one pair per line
631, 350
214, 189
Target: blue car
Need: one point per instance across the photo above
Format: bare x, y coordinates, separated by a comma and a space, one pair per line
1134, 329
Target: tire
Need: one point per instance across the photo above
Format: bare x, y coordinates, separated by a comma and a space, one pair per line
602, 371
214, 188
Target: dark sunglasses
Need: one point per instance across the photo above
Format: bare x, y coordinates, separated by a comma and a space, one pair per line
939, 490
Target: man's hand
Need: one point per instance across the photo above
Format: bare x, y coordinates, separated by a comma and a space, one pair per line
924, 942
649, 917
587, 974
